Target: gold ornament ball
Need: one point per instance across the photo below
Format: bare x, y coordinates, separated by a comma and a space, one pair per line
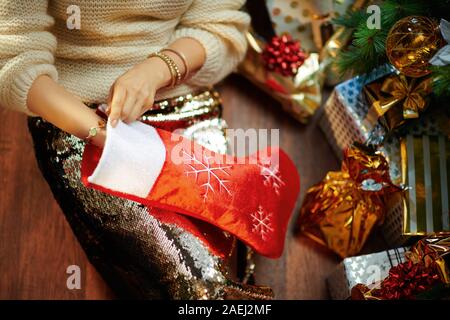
411, 43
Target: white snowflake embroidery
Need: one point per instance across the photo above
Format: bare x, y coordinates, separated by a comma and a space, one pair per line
261, 223
272, 176
215, 172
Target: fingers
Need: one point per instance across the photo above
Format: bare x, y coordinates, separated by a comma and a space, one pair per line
119, 95
109, 100
128, 100
128, 107
148, 104
138, 108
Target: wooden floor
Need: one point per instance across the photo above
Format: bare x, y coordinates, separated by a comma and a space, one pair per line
37, 245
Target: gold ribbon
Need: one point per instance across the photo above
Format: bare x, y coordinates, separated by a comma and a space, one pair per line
300, 95
397, 90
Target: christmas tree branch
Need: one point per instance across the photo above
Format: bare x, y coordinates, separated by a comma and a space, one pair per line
441, 80
368, 48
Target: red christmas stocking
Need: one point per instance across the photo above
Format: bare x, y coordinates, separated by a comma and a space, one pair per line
251, 198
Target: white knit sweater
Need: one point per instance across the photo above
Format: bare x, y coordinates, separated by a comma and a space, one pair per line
114, 35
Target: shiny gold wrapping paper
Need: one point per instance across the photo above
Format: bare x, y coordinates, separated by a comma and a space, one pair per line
328, 55
341, 211
299, 95
434, 249
396, 99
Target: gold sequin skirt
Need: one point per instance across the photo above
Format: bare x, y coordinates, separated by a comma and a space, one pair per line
138, 255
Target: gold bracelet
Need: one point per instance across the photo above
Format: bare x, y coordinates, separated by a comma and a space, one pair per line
93, 131
182, 58
173, 68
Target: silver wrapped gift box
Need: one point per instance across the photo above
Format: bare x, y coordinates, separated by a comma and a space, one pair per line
366, 269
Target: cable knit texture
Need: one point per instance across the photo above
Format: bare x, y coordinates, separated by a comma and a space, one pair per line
114, 36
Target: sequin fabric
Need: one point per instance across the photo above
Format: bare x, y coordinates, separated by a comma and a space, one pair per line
138, 255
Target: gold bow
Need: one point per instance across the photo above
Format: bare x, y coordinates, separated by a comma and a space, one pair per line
395, 90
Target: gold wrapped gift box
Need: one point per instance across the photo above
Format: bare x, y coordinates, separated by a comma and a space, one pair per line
299, 95
341, 211
425, 166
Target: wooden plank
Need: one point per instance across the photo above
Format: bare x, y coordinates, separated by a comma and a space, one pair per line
36, 243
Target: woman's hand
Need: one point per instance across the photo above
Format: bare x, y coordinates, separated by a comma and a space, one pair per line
63, 109
133, 93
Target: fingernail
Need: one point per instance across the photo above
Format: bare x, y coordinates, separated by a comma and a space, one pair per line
114, 123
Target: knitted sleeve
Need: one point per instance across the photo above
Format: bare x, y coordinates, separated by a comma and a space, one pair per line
220, 27
26, 49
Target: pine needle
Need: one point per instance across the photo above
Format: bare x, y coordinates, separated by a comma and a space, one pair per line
441, 80
351, 19
368, 47
394, 10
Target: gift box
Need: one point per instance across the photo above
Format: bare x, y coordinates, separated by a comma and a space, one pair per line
345, 120
306, 20
366, 269
338, 41
423, 275
425, 156
341, 211
299, 95
422, 153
